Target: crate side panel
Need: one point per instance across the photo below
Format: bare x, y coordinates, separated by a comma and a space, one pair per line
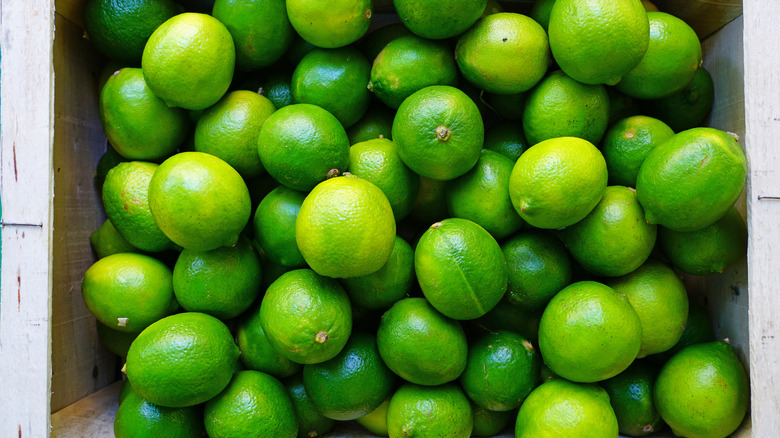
704, 16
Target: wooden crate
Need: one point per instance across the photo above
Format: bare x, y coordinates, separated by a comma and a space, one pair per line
51, 361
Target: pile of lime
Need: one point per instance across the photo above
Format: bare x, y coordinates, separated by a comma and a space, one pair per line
434, 221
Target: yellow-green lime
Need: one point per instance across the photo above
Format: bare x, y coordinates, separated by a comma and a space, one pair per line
138, 418
261, 31
672, 59
128, 291
691, 180
377, 122
631, 397
506, 138
306, 317
182, 360
559, 106
377, 39
408, 64
252, 402
703, 391
439, 132
504, 53
330, 24
311, 423
482, 195
199, 201
559, 408
460, 268
583, 321
137, 123
492, 7
230, 128
376, 420
425, 411
336, 80
302, 144
345, 228
710, 250
698, 329
106, 240
688, 107
628, 142
428, 19
420, 344
117, 342
257, 353
392, 282
490, 423
613, 239
598, 41
557, 182
274, 226
175, 49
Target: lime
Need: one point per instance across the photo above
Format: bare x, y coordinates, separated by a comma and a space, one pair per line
703, 391
687, 108
439, 132
274, 226
691, 180
377, 122
311, 423
257, 352
583, 321
557, 182
298, 49
628, 142
424, 411
345, 228
376, 420
137, 123
330, 24
138, 418
277, 89
710, 250
672, 59
561, 408
376, 40
306, 317
182, 360
504, 53
108, 160
334, 79
117, 342
460, 268
252, 402
106, 240
230, 128
502, 369
184, 41
199, 201
540, 12
420, 344
489, 423
300, 144
698, 329
631, 397
378, 162
559, 106
408, 64
428, 19
127, 291
392, 282
260, 30
598, 41
506, 138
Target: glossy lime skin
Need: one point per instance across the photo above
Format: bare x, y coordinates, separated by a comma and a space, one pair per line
631, 397
138, 418
257, 353
310, 421
439, 411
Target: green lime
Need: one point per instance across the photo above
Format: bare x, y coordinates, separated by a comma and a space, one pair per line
184, 41
420, 344
182, 360
439, 132
274, 226
557, 182
628, 142
330, 24
583, 321
311, 423
506, 138
507, 316
672, 59
106, 240
710, 250
540, 12
137, 123
631, 397
306, 317
128, 292
560, 408
301, 144
502, 369
490, 423
353, 383
376, 420
559, 106
703, 391
698, 329
261, 31
378, 162
460, 268
376, 40
345, 228
408, 64
252, 402
199, 201
278, 89
424, 411
598, 41
613, 239
108, 160
504, 53
431, 204
691, 180
125, 391
390, 283
377, 122
257, 353
428, 19
687, 108
117, 342
335, 80
138, 418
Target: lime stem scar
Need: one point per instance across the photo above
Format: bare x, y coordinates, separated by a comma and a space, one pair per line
321, 337
443, 133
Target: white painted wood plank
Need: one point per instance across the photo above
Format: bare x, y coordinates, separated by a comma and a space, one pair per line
762, 117
26, 190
